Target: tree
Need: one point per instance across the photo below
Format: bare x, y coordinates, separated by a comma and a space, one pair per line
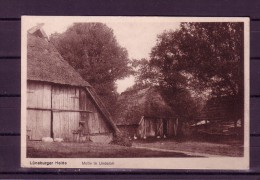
198, 58
204, 56
93, 51
148, 74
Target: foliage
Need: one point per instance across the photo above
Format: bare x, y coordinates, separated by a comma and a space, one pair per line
92, 49
122, 140
194, 62
156, 105
179, 99
201, 56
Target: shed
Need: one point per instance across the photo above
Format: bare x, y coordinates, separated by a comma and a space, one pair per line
221, 115
60, 103
144, 113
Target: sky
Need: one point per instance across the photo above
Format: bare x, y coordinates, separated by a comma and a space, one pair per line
137, 35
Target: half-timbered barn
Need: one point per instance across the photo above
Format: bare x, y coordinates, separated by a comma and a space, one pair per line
144, 114
60, 103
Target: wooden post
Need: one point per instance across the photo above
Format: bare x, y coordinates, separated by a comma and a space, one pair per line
176, 127
52, 133
144, 128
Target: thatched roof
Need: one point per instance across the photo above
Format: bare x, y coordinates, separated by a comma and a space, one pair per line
219, 109
44, 63
148, 102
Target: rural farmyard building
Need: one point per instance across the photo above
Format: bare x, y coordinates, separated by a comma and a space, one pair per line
60, 104
219, 116
144, 113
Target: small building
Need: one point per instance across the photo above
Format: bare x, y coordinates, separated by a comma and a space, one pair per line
220, 115
60, 103
144, 113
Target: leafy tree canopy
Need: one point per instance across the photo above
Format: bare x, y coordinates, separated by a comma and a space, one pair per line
92, 49
196, 59
201, 56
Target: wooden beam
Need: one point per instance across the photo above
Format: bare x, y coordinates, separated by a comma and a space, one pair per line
98, 134
58, 110
141, 120
158, 117
102, 109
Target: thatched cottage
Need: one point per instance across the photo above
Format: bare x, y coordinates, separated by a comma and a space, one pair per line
144, 113
60, 103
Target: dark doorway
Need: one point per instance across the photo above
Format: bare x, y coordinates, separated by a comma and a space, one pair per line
165, 127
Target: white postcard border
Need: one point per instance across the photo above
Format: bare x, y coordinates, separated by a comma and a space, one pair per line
227, 163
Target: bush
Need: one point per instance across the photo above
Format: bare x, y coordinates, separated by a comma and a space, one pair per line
122, 141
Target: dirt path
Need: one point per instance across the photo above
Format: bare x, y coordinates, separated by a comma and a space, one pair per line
193, 148
165, 148
92, 150
178, 151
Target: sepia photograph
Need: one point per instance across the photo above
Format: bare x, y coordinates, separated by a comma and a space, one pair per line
135, 92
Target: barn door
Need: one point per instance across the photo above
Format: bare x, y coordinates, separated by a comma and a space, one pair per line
38, 124
66, 112
65, 124
160, 127
84, 116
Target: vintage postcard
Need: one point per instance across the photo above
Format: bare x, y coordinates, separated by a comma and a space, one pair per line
135, 92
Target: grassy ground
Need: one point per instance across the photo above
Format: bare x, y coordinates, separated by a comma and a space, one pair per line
38, 149
231, 149
140, 148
